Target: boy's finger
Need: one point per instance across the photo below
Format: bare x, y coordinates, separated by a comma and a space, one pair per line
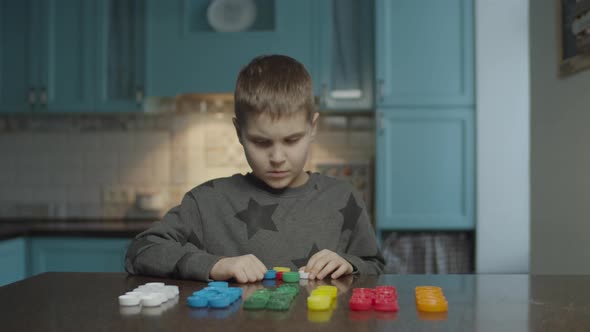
261, 267
251, 275
340, 271
317, 267
327, 269
313, 260
241, 276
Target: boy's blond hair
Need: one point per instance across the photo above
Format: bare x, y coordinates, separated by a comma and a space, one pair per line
276, 85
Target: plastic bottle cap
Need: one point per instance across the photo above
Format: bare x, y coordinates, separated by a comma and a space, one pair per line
129, 300
358, 303
255, 303
332, 290
219, 284
441, 306
172, 288
278, 303
290, 276
151, 300
219, 301
196, 301
385, 289
428, 288
319, 302
155, 284
270, 275
281, 269
388, 306
303, 275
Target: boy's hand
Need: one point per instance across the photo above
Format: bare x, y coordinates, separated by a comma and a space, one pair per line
325, 262
247, 268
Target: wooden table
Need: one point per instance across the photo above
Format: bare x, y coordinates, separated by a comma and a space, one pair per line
88, 302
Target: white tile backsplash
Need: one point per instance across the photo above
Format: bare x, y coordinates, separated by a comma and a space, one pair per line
16, 193
86, 193
48, 194
60, 173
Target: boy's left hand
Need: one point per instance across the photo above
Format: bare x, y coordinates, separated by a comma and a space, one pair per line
325, 262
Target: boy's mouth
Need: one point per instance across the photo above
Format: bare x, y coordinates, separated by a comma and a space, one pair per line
278, 173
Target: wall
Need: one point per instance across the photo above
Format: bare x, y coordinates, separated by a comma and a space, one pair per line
502, 93
560, 155
94, 166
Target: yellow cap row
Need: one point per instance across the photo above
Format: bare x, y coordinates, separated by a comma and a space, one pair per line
322, 298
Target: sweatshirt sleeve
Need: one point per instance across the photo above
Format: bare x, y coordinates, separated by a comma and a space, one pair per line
173, 247
363, 251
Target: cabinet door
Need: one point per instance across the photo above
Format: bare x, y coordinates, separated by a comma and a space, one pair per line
120, 53
344, 77
185, 55
424, 163
17, 72
78, 254
13, 260
424, 52
67, 54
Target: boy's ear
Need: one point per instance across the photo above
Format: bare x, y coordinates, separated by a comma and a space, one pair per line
314, 124
237, 126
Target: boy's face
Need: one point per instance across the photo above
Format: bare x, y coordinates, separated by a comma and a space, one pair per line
277, 149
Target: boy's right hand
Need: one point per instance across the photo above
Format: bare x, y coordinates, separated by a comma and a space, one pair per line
247, 268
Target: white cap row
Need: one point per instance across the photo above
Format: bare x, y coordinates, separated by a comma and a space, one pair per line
151, 294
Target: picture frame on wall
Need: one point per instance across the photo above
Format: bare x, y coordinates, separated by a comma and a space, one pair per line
574, 36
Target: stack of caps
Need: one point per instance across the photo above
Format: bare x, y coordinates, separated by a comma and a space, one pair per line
381, 298
151, 294
322, 298
431, 299
217, 295
284, 274
278, 300
279, 270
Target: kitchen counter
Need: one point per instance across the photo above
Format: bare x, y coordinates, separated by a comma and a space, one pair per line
89, 302
11, 228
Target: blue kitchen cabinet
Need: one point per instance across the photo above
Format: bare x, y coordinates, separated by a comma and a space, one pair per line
72, 254
185, 55
425, 166
119, 66
344, 43
425, 151
424, 53
13, 260
17, 72
64, 56
71, 55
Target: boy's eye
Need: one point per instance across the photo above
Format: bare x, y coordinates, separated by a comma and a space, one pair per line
292, 140
261, 142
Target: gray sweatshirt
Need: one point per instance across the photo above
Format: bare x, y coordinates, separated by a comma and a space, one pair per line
241, 215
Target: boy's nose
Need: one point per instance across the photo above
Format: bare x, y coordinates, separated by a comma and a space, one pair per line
277, 156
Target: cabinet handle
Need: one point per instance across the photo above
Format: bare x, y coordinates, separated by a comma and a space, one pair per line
324, 95
138, 95
32, 97
43, 96
381, 89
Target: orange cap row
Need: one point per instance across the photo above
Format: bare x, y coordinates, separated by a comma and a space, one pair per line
431, 299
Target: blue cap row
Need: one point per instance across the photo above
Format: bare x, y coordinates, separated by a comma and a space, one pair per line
214, 297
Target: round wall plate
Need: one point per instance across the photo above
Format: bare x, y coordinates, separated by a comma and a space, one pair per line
231, 15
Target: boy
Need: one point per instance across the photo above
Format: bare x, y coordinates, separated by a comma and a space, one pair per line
277, 215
